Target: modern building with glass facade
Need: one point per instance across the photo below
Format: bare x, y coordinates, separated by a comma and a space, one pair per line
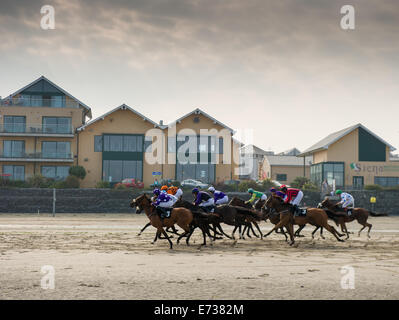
353, 157
38, 131
126, 144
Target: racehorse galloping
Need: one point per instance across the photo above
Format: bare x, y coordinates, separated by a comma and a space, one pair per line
314, 216
360, 214
251, 220
180, 216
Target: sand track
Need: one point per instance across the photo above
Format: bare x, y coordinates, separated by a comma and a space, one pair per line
100, 256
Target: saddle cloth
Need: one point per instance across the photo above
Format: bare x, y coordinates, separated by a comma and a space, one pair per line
164, 212
301, 212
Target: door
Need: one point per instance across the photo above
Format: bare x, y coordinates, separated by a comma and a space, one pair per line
358, 182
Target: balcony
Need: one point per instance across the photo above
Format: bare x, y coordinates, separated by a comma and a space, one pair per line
39, 101
36, 157
36, 130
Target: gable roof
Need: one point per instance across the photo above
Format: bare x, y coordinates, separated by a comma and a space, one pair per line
54, 85
334, 137
290, 152
252, 149
279, 160
121, 107
199, 111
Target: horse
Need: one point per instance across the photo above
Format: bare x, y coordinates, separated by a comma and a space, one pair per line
360, 214
180, 216
235, 201
314, 216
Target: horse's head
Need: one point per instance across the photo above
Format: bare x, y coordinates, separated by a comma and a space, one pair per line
140, 203
326, 203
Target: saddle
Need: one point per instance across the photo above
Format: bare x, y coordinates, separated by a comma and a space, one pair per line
164, 212
300, 212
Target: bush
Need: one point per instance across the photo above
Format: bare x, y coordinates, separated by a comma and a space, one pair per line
267, 184
38, 181
103, 185
71, 182
77, 171
374, 187
245, 185
120, 187
310, 186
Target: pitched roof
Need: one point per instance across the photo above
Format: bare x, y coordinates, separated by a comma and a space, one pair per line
334, 137
121, 107
254, 149
290, 152
199, 111
59, 88
276, 160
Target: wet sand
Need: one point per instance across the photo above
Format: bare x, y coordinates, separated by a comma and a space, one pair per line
99, 256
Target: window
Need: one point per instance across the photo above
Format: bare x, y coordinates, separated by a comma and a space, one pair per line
386, 181
281, 177
123, 143
14, 124
13, 148
221, 145
148, 144
58, 101
117, 170
56, 149
370, 148
57, 125
98, 143
55, 172
15, 172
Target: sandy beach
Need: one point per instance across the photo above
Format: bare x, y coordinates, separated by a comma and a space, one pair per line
100, 256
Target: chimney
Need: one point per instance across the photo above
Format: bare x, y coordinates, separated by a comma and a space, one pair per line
161, 122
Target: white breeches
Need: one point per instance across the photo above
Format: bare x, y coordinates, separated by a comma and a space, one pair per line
168, 204
224, 200
297, 199
179, 193
210, 202
350, 203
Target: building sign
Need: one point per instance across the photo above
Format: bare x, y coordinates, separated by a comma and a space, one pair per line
156, 173
373, 169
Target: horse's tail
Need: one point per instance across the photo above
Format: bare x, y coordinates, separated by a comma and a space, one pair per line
373, 214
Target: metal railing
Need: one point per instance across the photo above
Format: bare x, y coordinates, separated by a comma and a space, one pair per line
39, 102
36, 155
33, 128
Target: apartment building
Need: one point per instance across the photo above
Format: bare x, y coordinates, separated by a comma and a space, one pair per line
38, 130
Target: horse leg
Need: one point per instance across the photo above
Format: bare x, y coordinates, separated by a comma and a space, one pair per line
291, 232
260, 232
344, 229
157, 234
234, 231
297, 232
145, 227
218, 226
332, 230
252, 228
368, 232
166, 235
314, 231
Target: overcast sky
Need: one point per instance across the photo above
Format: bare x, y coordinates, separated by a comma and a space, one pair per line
283, 68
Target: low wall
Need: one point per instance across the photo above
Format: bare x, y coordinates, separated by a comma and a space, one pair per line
26, 200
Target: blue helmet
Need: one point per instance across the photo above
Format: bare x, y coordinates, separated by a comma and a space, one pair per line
272, 190
156, 192
195, 190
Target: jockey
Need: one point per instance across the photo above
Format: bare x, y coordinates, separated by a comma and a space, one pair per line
292, 196
347, 200
175, 191
255, 195
219, 196
163, 200
202, 199
164, 189
277, 193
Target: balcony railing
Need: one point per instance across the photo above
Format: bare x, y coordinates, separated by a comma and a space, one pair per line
39, 102
36, 128
36, 155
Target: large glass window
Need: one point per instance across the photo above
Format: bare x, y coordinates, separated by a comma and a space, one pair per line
14, 172
57, 125
13, 148
386, 181
14, 124
123, 143
56, 149
329, 171
117, 170
55, 172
